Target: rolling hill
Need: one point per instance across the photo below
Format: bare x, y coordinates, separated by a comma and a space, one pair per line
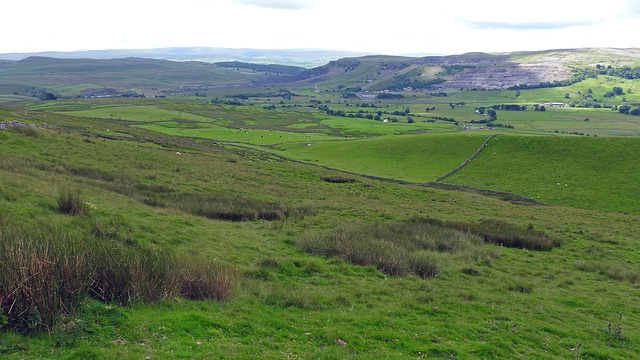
35, 75
180, 228
141, 192
466, 71
307, 58
99, 77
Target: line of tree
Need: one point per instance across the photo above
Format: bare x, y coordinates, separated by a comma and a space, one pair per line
624, 72
509, 107
590, 103
443, 119
385, 95
359, 114
626, 109
284, 93
364, 105
502, 126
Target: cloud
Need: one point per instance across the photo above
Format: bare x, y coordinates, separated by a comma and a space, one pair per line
280, 4
525, 26
632, 7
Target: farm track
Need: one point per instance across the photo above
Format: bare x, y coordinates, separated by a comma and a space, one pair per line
433, 184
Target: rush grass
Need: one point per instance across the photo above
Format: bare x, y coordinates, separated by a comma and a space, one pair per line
398, 248
46, 273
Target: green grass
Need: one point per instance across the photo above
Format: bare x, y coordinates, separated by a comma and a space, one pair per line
397, 249
591, 173
365, 127
414, 158
138, 113
290, 303
219, 133
48, 274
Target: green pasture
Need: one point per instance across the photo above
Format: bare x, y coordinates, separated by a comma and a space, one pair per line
137, 113
601, 122
519, 304
415, 158
366, 127
591, 173
253, 136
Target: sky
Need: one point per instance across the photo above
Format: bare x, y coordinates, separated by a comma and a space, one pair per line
390, 27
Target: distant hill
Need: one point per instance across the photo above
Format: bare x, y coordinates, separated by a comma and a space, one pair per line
466, 71
135, 76
306, 58
107, 77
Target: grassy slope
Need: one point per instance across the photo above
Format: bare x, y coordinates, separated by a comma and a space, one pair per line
416, 158
525, 304
592, 173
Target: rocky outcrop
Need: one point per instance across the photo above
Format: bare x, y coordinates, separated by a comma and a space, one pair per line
505, 76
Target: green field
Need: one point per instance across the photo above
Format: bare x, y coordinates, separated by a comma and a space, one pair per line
414, 152
225, 249
590, 173
414, 158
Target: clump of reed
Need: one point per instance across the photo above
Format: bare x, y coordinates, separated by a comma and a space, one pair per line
230, 207
70, 202
397, 248
46, 272
504, 234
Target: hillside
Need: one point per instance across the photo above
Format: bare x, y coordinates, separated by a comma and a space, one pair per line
36, 76
138, 192
90, 77
238, 214
467, 71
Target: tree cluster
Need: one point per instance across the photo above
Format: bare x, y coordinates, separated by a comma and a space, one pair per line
390, 96
626, 109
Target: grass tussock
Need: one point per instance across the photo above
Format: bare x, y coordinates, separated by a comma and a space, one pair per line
24, 130
337, 179
230, 207
70, 202
508, 235
612, 271
201, 280
45, 273
398, 248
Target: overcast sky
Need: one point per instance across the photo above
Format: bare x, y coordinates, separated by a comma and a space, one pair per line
386, 27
